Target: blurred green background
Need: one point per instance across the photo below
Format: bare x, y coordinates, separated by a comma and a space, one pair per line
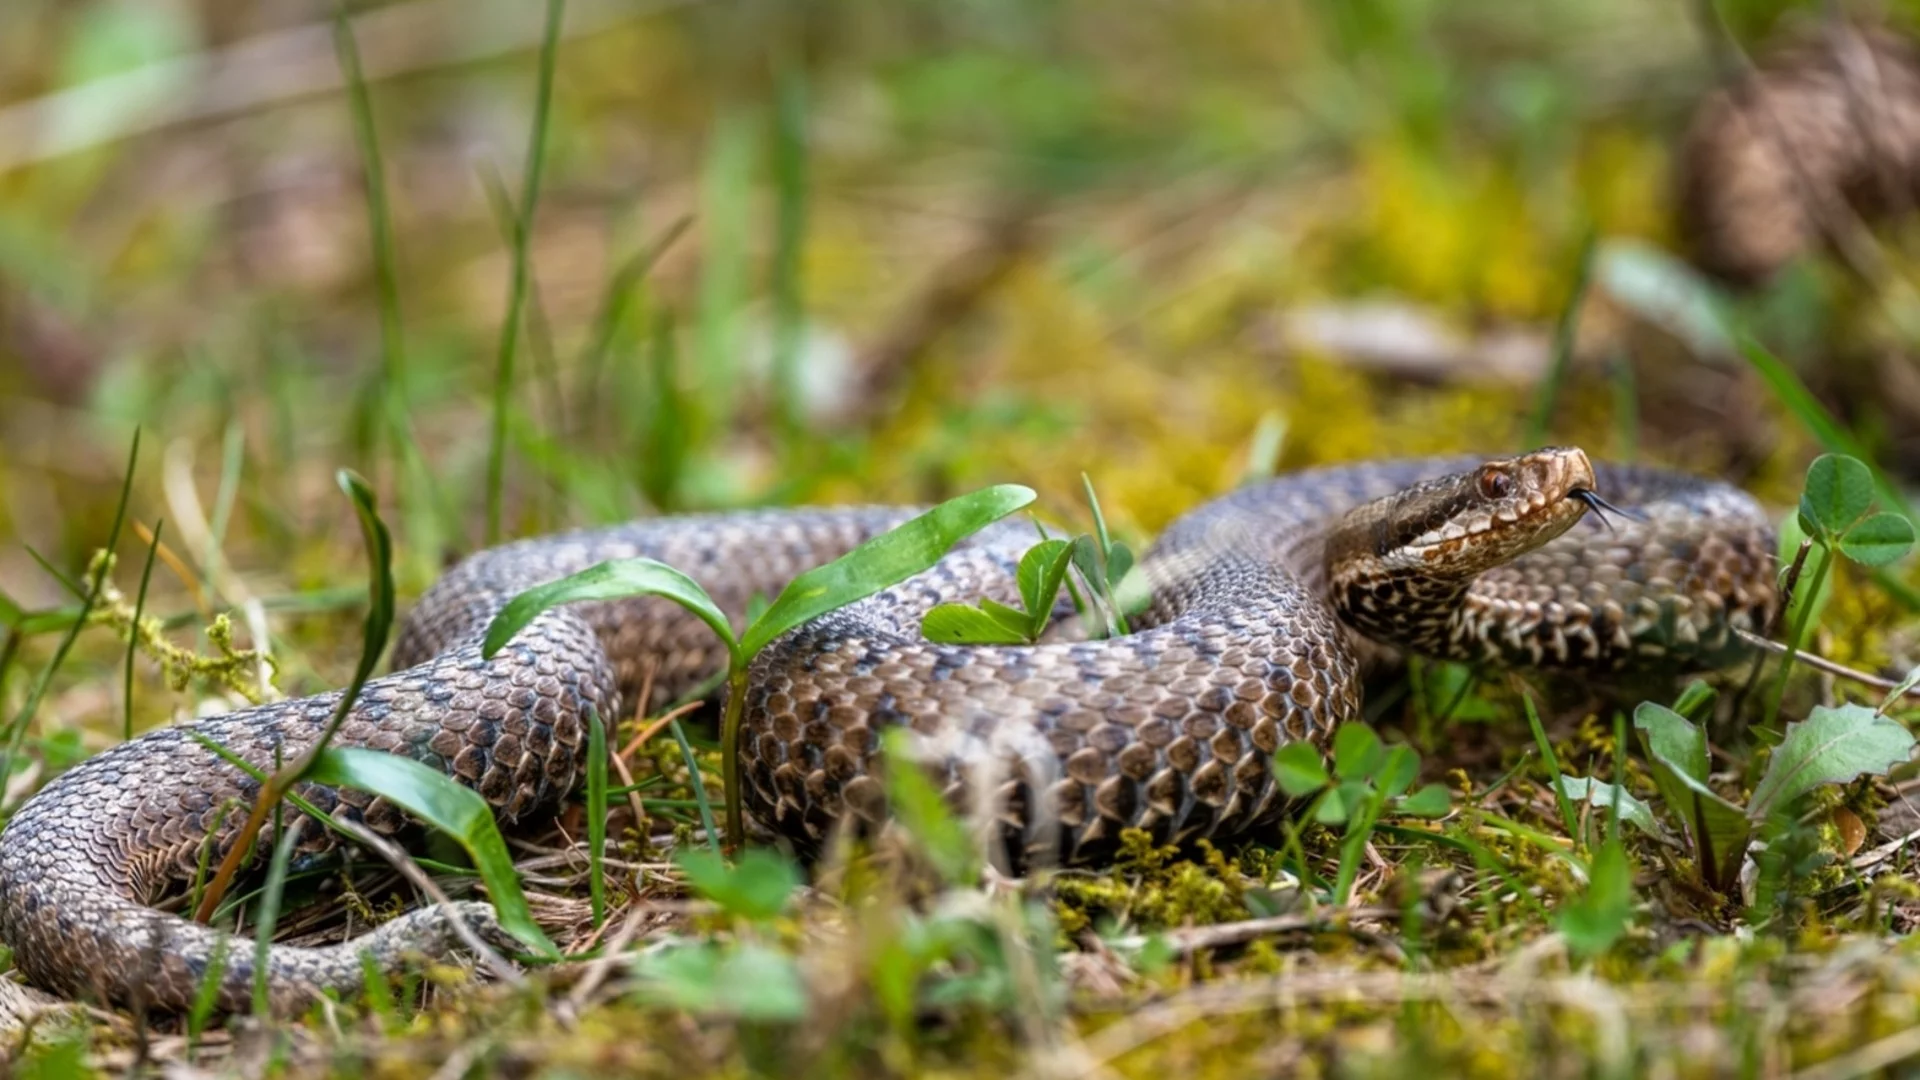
791, 252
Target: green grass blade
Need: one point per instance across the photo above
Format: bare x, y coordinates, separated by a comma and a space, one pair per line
616, 579
207, 994
133, 634
380, 604
596, 815
442, 802
268, 914
790, 229
616, 302
377, 994
1564, 330
663, 441
882, 562
699, 784
17, 729
378, 624
726, 218
917, 804
379, 212
233, 450
1626, 409
206, 845
1813, 416
521, 272
1553, 768
78, 591
1263, 450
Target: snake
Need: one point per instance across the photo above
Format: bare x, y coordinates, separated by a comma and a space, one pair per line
1263, 611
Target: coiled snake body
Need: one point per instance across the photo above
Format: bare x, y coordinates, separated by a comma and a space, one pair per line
1259, 601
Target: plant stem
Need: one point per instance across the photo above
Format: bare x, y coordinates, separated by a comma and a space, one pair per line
1794, 637
518, 286
730, 753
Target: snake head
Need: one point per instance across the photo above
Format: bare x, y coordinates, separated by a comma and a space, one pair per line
1456, 527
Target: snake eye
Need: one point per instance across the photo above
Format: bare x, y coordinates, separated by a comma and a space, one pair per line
1495, 483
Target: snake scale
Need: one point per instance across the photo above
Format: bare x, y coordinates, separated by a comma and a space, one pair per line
1263, 605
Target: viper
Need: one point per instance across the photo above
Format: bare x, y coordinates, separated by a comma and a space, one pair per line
1263, 606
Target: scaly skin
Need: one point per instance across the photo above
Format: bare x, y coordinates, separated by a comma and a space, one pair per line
1169, 729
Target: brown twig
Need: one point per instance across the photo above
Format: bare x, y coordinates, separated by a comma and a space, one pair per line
179, 567
656, 728
419, 878
1192, 939
596, 972
1815, 660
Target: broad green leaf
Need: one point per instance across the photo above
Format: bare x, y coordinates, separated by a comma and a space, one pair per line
1831, 746
440, 801
1431, 801
960, 624
1879, 540
1010, 617
884, 561
1695, 698
616, 579
1601, 795
1592, 922
1718, 829
1838, 492
920, 810
1398, 772
1673, 739
1042, 569
1119, 561
1299, 769
757, 888
1357, 753
748, 981
10, 612
1341, 803
1088, 559
1667, 292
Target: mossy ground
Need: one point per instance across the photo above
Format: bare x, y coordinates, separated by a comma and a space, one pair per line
1187, 185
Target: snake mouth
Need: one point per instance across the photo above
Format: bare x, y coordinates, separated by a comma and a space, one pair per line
1601, 507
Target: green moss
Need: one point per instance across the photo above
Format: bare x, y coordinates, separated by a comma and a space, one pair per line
1153, 887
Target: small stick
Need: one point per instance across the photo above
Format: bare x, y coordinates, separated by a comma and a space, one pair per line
655, 728
1193, 939
410, 870
596, 972
1831, 667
